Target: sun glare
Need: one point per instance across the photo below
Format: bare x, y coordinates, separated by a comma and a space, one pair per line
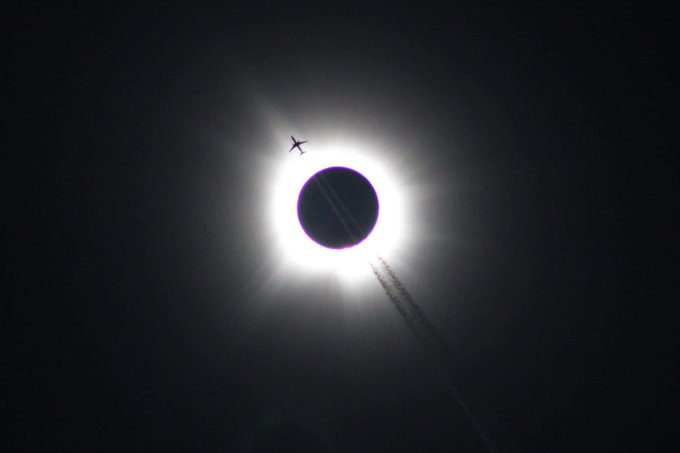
298, 250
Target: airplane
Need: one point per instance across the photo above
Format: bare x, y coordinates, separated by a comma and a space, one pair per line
296, 144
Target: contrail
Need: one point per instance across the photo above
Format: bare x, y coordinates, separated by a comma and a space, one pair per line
348, 215
406, 306
428, 337
337, 213
397, 302
415, 310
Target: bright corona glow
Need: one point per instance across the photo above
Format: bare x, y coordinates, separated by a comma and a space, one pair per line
297, 248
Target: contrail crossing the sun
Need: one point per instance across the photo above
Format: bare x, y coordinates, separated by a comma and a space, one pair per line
406, 306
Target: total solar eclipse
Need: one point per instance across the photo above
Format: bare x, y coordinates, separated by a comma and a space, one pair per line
337, 207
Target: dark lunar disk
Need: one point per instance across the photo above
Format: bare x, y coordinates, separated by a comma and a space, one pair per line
337, 207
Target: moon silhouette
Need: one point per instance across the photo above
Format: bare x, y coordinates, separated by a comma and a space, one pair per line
338, 207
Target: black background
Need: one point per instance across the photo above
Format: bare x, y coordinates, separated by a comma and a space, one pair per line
136, 321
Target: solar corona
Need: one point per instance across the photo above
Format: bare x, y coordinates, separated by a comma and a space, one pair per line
338, 210
336, 207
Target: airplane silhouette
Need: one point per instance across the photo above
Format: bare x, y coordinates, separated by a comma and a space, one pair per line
296, 144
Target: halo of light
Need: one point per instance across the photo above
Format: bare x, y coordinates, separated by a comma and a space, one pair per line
301, 252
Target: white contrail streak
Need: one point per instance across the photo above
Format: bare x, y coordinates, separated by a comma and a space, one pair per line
348, 215
406, 306
338, 214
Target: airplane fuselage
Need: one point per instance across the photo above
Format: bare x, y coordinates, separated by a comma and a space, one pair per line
296, 144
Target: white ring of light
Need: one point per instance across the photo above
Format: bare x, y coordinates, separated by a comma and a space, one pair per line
302, 252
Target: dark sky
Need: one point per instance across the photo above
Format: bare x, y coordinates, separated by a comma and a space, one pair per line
141, 319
